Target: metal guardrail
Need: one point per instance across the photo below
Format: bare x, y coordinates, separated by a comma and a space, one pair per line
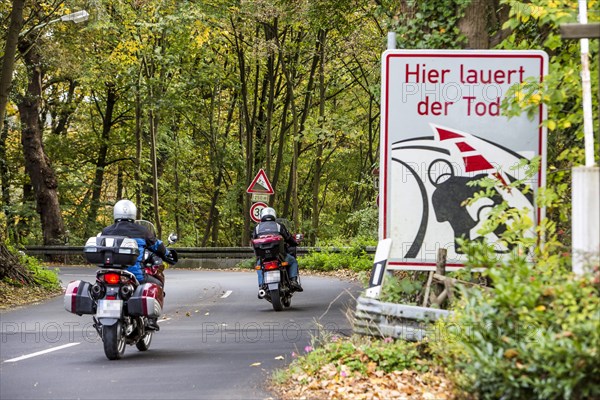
376, 318
183, 252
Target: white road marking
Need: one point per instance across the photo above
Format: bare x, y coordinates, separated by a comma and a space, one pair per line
39, 353
163, 320
226, 294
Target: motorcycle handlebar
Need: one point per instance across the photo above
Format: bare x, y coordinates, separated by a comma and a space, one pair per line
172, 258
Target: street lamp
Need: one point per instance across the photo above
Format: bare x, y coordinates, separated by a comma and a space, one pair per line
12, 39
76, 17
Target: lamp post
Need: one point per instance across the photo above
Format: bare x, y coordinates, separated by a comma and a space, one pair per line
37, 165
76, 17
12, 40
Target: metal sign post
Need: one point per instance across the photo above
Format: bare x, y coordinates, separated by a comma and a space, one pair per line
586, 179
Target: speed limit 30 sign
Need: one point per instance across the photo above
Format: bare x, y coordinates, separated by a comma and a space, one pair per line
255, 211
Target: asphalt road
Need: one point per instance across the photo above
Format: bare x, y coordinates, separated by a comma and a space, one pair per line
217, 341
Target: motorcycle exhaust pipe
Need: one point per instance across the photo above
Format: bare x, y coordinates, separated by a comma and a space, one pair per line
98, 291
126, 291
262, 293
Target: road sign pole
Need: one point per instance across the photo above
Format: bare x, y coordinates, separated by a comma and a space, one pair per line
586, 180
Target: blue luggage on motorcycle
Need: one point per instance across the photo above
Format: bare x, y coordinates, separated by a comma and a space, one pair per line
146, 300
111, 250
268, 247
77, 298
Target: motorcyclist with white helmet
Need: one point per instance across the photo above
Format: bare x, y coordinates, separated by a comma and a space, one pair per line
124, 214
269, 226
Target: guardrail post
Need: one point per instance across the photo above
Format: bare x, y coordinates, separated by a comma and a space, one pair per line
382, 254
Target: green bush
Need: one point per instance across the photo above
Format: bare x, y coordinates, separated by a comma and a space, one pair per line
249, 263
42, 276
331, 261
534, 335
403, 289
353, 257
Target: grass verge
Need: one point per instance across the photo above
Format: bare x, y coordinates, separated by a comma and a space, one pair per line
363, 368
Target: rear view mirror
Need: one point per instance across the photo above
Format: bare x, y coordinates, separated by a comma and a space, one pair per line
173, 238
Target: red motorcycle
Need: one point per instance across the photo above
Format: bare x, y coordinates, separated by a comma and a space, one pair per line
276, 288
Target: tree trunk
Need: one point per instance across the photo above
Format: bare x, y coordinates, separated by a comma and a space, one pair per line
120, 182
22, 225
107, 121
177, 186
247, 130
212, 223
153, 125
10, 50
319, 152
137, 176
37, 164
474, 24
281, 142
270, 32
4, 178
292, 194
65, 111
11, 268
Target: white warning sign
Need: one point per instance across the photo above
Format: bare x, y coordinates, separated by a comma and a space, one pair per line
442, 129
260, 184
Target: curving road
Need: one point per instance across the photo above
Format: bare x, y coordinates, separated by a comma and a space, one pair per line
217, 341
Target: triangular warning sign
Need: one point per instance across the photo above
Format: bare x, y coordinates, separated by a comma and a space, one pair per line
260, 184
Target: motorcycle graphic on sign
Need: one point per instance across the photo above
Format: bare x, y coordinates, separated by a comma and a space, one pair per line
443, 170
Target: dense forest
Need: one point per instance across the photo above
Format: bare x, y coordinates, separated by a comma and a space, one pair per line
177, 105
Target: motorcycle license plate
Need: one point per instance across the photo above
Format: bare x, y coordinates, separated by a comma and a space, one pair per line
272, 277
109, 309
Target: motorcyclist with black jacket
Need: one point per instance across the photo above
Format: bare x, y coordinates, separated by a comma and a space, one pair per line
269, 226
124, 214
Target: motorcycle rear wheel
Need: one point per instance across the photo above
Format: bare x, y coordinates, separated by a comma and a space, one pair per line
144, 343
276, 300
114, 341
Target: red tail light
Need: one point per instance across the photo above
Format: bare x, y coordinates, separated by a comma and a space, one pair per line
112, 279
271, 265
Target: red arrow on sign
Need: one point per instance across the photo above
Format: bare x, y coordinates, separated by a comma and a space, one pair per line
260, 184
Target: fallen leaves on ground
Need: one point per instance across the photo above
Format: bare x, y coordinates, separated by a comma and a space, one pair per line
343, 274
333, 382
15, 296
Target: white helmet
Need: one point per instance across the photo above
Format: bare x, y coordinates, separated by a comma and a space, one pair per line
124, 209
268, 214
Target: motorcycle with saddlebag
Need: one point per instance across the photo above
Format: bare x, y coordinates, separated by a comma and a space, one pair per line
122, 307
